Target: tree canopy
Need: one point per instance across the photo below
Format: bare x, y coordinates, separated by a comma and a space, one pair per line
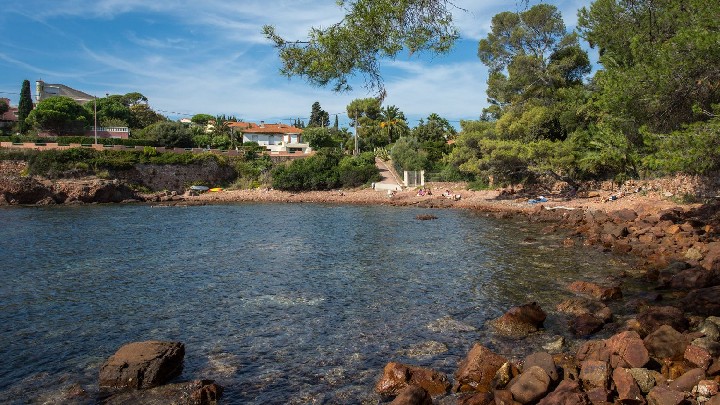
60, 116
370, 30
25, 106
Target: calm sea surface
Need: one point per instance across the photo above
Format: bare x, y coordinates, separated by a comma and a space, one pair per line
279, 303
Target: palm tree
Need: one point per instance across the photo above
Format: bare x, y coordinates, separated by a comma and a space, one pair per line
392, 120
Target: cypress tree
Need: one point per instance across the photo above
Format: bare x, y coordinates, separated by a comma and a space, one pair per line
25, 106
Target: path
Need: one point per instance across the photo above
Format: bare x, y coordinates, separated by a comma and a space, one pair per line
389, 179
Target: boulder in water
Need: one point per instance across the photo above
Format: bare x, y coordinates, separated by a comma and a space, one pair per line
140, 365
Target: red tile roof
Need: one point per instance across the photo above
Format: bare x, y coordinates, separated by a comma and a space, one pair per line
254, 128
10, 114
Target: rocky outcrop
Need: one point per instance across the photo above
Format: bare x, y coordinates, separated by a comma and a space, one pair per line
477, 371
396, 377
140, 365
17, 190
520, 321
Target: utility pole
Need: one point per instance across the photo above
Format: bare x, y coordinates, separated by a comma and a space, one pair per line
95, 110
357, 146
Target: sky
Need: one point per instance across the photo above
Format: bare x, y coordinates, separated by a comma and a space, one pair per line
210, 57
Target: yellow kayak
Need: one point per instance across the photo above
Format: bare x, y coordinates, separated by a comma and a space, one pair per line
216, 189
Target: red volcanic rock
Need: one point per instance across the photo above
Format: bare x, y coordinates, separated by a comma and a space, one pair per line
477, 371
544, 361
581, 306
704, 301
396, 377
665, 396
595, 291
626, 387
531, 385
666, 343
651, 318
520, 321
594, 374
688, 380
141, 365
198, 392
694, 277
568, 392
586, 324
698, 356
627, 350
412, 395
481, 398
594, 350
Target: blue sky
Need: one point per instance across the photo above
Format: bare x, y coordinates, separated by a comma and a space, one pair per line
190, 57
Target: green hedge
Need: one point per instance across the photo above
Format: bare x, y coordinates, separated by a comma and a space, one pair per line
84, 140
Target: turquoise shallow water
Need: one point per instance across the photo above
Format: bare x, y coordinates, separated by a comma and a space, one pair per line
280, 303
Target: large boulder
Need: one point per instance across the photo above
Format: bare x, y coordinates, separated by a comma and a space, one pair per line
695, 277
531, 385
581, 306
651, 318
477, 371
520, 321
140, 365
396, 377
594, 374
627, 350
198, 392
665, 396
704, 301
586, 325
627, 389
595, 290
666, 343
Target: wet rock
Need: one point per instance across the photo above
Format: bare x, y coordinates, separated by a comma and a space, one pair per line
695, 277
688, 380
555, 344
596, 291
141, 365
651, 318
520, 321
665, 396
666, 343
704, 301
568, 392
627, 389
709, 329
698, 356
531, 385
397, 376
412, 395
594, 374
581, 306
198, 392
477, 371
627, 350
586, 325
544, 361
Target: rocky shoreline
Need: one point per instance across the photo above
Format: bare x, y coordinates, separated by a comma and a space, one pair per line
668, 353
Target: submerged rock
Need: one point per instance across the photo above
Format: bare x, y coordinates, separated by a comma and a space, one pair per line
198, 392
397, 376
520, 321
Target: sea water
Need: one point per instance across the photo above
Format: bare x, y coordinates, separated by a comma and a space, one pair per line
278, 303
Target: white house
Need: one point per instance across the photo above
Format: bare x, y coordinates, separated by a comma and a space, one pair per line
278, 138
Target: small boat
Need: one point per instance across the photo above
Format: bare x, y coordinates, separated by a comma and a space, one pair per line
214, 190
199, 188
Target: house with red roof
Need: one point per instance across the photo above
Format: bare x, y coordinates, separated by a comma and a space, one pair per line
10, 117
278, 138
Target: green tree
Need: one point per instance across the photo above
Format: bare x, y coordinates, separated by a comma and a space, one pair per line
407, 154
25, 106
169, 134
142, 116
531, 59
319, 137
434, 135
201, 119
109, 109
4, 107
393, 123
660, 60
369, 31
59, 115
318, 116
